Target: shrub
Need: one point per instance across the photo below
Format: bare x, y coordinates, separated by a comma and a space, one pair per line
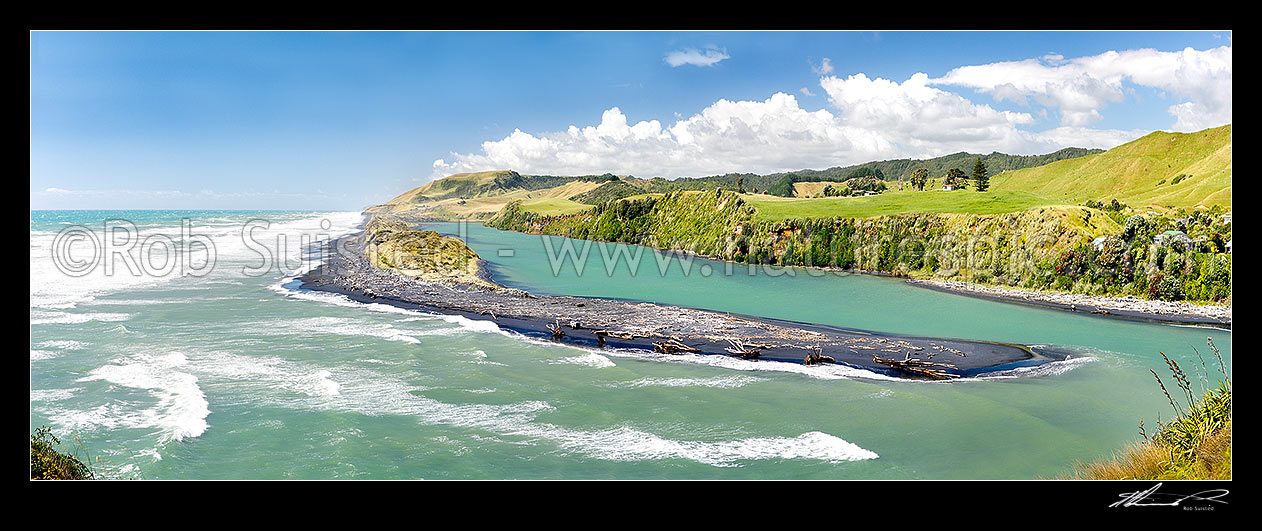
48, 463
1162, 286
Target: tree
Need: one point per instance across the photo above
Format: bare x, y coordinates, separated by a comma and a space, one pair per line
980, 180
783, 187
919, 178
954, 177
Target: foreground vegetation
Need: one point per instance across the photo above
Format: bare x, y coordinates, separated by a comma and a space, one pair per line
49, 463
1196, 444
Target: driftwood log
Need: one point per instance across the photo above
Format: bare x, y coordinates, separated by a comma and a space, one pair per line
918, 366
557, 333
616, 334
673, 346
739, 349
818, 357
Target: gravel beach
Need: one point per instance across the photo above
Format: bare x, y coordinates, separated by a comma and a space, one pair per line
1123, 307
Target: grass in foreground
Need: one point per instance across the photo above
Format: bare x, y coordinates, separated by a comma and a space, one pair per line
1195, 445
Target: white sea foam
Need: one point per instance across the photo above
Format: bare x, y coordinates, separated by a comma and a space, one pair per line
181, 408
53, 395
342, 326
590, 359
322, 382
825, 372
288, 287
284, 383
37, 355
1204, 326
474, 325
480, 358
629, 444
64, 344
45, 317
148, 302
720, 382
1053, 368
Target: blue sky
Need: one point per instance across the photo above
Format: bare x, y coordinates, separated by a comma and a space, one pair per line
342, 120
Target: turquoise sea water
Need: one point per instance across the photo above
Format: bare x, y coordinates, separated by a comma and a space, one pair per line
226, 371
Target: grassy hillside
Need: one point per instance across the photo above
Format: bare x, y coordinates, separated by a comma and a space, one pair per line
609, 191
480, 195
1141, 173
895, 169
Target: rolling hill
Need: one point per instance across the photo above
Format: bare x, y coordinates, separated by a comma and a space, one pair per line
480, 195
1141, 173
1161, 171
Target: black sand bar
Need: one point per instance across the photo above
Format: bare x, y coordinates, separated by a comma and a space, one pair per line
595, 323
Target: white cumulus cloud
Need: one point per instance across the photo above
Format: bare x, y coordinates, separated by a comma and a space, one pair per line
866, 119
1080, 88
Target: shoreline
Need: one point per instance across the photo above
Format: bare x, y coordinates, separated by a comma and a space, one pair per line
1116, 307
595, 322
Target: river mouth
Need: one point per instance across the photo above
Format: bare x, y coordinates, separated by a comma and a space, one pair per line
636, 324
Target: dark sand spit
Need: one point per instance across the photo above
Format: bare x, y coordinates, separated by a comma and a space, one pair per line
595, 323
